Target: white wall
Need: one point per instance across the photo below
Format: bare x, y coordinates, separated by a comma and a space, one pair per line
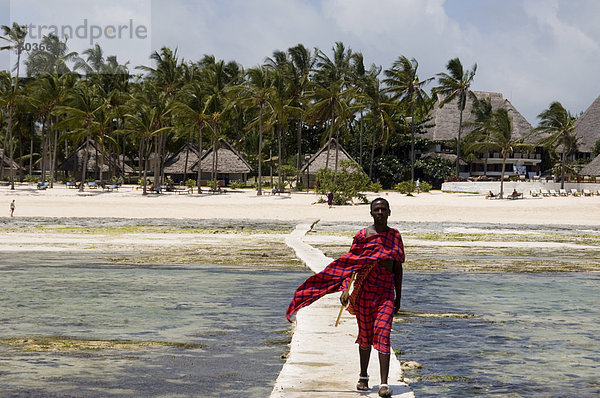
485, 186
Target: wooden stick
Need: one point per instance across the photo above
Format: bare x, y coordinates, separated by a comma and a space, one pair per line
337, 321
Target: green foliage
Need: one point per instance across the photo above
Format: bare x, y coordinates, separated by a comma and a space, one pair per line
389, 170
434, 170
237, 184
406, 187
289, 174
346, 184
190, 183
375, 187
425, 186
32, 179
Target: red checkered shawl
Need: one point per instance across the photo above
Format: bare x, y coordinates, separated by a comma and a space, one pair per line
364, 251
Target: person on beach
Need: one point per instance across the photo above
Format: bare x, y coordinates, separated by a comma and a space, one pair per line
376, 256
12, 208
330, 199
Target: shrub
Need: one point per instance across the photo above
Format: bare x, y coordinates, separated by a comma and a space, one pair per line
375, 187
346, 184
237, 184
425, 186
32, 179
406, 187
190, 183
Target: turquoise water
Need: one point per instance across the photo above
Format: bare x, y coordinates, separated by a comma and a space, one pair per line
235, 316
531, 334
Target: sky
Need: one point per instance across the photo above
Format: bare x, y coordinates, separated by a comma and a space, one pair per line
534, 52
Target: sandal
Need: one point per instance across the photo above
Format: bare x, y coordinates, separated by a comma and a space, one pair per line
363, 383
384, 390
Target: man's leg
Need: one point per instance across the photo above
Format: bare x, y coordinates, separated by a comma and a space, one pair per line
363, 380
384, 367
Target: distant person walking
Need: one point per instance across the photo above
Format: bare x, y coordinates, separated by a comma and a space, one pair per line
330, 199
418, 185
12, 208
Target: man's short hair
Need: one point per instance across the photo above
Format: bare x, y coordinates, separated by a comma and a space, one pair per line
380, 199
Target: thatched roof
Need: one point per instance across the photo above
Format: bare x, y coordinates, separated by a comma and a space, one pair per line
7, 162
75, 161
176, 164
319, 159
228, 160
447, 119
592, 168
587, 127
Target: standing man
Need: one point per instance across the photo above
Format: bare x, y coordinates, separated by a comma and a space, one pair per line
12, 207
418, 185
376, 256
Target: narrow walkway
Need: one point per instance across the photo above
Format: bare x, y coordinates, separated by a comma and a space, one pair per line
323, 359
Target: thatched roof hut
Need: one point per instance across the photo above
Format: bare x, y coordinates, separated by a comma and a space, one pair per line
447, 119
7, 162
74, 163
319, 160
592, 168
231, 165
182, 161
587, 127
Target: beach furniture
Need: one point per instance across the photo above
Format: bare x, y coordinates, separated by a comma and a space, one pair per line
110, 188
574, 192
587, 192
534, 193
43, 185
544, 192
563, 192
518, 195
71, 184
92, 185
553, 192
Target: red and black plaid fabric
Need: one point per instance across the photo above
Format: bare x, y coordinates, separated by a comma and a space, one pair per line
376, 290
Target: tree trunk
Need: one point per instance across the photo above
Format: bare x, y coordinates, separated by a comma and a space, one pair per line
53, 150
562, 166
412, 144
85, 157
279, 158
458, 145
143, 150
260, 143
502, 177
199, 177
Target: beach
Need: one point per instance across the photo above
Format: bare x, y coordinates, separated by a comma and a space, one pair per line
437, 206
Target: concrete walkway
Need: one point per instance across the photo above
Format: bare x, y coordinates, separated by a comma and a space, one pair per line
323, 359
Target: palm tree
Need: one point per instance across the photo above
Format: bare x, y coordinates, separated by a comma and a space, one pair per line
496, 134
456, 85
15, 36
482, 114
558, 125
144, 122
403, 82
52, 59
83, 107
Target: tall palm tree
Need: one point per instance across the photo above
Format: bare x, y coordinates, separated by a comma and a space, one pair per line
15, 36
482, 114
558, 125
496, 134
404, 84
82, 108
456, 84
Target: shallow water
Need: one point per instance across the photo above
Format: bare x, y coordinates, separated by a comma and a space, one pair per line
235, 315
531, 334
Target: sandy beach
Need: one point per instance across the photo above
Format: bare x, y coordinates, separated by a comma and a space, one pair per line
128, 202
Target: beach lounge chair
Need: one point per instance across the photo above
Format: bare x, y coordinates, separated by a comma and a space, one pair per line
563, 192
92, 185
534, 193
71, 184
43, 185
553, 192
544, 192
110, 188
575, 192
587, 192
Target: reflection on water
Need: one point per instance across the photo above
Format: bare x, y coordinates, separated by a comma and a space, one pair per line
532, 334
236, 315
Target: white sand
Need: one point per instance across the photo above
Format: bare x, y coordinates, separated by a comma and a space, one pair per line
129, 202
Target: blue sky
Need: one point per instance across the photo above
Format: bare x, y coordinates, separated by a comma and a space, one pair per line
532, 51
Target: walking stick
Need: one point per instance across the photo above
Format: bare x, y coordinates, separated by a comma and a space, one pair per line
342, 308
